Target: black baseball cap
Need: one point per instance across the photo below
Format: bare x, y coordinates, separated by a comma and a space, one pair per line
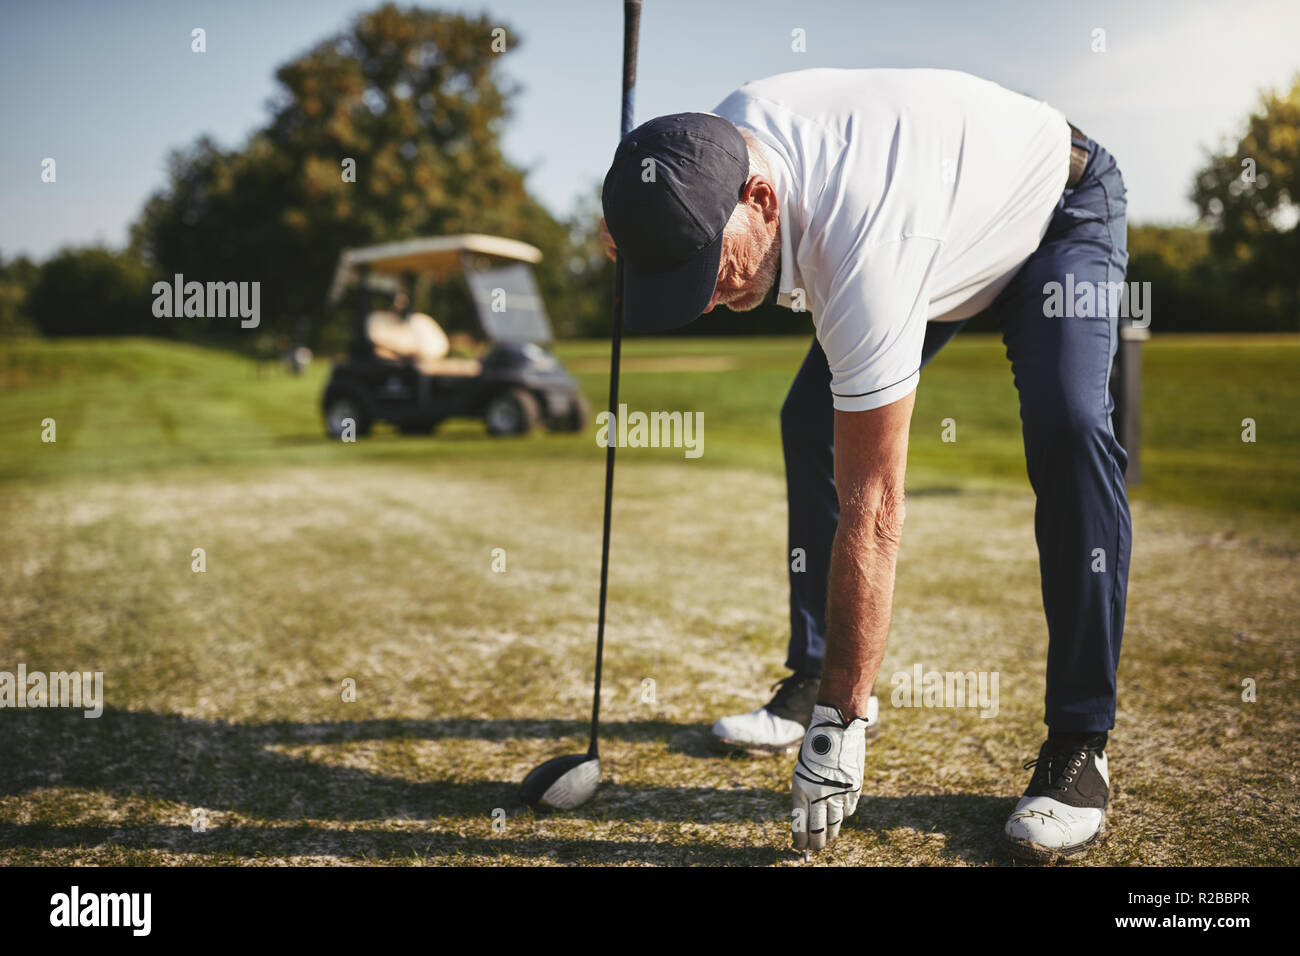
667, 216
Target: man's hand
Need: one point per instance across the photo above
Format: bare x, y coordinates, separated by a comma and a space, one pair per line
827, 777
607, 242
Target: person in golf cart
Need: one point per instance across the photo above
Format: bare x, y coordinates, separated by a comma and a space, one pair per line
398, 335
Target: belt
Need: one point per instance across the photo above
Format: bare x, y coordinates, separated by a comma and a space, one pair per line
1078, 157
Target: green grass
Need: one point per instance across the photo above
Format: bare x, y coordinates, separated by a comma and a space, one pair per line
373, 562
141, 405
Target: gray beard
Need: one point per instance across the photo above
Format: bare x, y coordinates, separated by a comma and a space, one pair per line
769, 271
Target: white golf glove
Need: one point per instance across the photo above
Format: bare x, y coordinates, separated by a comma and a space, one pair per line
827, 777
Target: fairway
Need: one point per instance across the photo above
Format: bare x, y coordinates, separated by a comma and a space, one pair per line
226, 737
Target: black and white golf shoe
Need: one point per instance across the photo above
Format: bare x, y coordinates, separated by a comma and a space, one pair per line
778, 727
1063, 812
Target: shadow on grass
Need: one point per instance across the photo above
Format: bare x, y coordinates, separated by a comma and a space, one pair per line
380, 846
233, 767
970, 824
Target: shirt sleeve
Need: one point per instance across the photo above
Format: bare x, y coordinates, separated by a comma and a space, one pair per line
872, 324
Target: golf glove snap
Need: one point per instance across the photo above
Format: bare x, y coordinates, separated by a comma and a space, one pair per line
827, 777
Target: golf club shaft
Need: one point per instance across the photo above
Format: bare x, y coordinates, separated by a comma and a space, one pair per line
631, 27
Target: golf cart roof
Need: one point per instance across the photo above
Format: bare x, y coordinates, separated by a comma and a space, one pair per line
437, 256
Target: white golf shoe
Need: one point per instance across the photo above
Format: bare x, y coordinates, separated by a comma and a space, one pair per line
1063, 811
779, 726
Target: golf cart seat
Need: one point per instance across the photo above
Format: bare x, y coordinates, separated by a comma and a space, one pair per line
417, 338
450, 366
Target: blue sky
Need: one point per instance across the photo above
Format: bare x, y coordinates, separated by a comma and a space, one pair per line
109, 88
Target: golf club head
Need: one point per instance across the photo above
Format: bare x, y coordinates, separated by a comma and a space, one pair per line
561, 783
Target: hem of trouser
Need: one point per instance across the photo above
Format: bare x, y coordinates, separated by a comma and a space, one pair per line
1090, 722
802, 667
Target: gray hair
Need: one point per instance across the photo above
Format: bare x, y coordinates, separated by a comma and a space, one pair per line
757, 158
759, 165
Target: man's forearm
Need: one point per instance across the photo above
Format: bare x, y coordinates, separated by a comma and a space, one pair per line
860, 600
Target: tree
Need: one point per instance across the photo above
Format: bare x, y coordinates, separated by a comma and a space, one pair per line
589, 275
1249, 195
16, 277
1193, 289
387, 130
91, 291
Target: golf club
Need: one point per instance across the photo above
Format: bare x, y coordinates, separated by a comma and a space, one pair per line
564, 783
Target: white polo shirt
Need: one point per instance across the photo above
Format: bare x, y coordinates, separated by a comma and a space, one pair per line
905, 196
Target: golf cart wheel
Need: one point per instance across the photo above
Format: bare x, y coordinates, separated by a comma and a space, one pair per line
515, 412
576, 419
338, 410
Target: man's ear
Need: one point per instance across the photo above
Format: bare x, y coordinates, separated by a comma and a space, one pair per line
761, 191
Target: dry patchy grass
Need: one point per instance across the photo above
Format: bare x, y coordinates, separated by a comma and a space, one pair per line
223, 688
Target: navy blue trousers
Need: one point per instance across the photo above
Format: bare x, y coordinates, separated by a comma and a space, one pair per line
1075, 463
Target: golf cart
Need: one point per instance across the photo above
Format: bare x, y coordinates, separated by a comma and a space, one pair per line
398, 368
